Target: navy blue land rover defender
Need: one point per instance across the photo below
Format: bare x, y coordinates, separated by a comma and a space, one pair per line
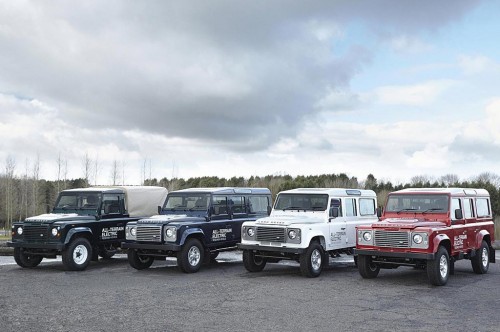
194, 225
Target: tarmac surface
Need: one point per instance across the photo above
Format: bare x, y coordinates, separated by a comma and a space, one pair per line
223, 296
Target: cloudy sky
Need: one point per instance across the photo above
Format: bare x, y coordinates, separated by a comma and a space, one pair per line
239, 88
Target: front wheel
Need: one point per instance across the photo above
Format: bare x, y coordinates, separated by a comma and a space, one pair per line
481, 261
137, 261
190, 258
253, 263
26, 260
438, 269
76, 257
311, 261
366, 267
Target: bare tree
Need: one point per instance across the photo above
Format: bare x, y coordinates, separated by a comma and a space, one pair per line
59, 171
115, 172
87, 168
123, 172
96, 168
488, 177
449, 179
10, 167
36, 179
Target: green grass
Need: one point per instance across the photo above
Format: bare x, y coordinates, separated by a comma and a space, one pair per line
4, 237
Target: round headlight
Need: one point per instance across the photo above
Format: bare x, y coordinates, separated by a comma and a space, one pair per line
250, 232
169, 232
367, 236
54, 231
133, 231
20, 230
417, 238
292, 234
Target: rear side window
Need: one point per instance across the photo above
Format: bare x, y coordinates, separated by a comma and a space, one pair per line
366, 206
483, 207
350, 207
238, 203
468, 209
258, 204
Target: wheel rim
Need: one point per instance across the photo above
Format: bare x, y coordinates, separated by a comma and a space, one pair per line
80, 254
443, 266
316, 259
194, 256
144, 259
484, 257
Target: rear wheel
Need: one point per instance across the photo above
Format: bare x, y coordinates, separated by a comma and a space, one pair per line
253, 263
137, 261
366, 267
77, 255
311, 261
26, 260
190, 258
481, 261
438, 269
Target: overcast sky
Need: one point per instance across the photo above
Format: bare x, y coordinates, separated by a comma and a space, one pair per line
241, 88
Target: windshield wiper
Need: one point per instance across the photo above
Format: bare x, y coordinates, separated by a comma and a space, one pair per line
293, 208
432, 209
177, 206
408, 209
321, 208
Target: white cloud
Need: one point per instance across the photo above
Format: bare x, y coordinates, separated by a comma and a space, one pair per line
412, 95
477, 64
408, 44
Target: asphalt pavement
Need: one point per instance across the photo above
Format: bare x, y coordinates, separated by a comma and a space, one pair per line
223, 296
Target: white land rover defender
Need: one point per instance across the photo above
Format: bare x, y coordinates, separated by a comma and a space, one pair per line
307, 225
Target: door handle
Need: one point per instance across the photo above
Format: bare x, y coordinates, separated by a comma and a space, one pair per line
343, 228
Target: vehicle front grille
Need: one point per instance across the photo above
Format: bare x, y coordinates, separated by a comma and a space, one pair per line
149, 233
35, 232
271, 234
392, 239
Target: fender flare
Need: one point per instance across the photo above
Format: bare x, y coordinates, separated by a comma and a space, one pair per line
190, 231
76, 230
321, 236
479, 238
438, 239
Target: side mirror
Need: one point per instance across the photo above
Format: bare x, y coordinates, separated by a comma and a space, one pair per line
159, 209
269, 209
334, 212
459, 214
379, 212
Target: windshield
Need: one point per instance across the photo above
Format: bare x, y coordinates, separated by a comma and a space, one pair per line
187, 202
417, 203
313, 202
78, 201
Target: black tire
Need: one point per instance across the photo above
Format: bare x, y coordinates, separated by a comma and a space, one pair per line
481, 261
77, 256
356, 261
311, 262
191, 256
106, 253
367, 269
438, 269
253, 263
139, 262
26, 260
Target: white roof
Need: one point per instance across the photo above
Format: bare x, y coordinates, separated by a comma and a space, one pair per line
340, 192
450, 191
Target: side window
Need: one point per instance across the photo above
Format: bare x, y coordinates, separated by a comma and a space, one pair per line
220, 205
366, 206
258, 204
111, 204
483, 207
238, 204
455, 205
336, 204
350, 207
468, 208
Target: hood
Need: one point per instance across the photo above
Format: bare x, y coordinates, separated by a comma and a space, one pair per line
53, 217
287, 220
407, 223
165, 219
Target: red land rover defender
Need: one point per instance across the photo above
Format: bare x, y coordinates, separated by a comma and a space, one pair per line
431, 229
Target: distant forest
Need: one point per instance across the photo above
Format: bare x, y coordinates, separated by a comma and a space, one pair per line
26, 196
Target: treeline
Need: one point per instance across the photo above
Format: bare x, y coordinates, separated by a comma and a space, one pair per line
22, 197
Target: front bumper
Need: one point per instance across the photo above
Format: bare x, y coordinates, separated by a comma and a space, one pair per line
271, 249
149, 246
45, 246
391, 254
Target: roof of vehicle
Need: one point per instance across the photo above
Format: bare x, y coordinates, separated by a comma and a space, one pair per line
226, 190
332, 192
448, 191
142, 201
